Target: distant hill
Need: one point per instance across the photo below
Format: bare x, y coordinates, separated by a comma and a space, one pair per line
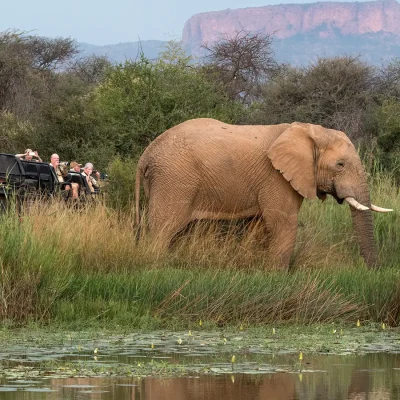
301, 32
374, 48
122, 51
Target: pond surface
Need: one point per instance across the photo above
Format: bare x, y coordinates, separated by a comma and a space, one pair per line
202, 366
328, 377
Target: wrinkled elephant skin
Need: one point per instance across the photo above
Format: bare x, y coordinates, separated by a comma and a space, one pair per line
207, 169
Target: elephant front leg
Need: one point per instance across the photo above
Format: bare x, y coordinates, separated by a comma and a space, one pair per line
280, 207
282, 238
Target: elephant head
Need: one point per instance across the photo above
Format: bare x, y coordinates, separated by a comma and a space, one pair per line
319, 161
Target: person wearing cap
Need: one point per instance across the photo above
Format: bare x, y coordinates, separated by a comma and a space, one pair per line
75, 167
28, 155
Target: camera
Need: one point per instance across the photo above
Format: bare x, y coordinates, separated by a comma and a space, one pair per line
64, 163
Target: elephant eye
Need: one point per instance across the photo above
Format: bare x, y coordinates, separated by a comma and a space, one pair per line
340, 164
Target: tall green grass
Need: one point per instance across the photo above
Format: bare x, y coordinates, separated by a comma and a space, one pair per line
82, 267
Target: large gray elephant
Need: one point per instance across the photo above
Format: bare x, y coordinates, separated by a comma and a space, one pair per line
207, 169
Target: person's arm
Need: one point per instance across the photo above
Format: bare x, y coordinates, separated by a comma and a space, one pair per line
37, 156
20, 155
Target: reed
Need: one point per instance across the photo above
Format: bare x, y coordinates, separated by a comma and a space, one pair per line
82, 267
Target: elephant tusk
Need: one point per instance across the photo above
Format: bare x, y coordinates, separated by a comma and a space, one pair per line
380, 209
354, 203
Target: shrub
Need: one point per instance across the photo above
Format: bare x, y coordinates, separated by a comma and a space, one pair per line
388, 141
140, 100
121, 187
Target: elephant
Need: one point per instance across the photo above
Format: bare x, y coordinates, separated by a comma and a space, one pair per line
207, 169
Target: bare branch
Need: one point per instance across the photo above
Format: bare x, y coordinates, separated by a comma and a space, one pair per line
90, 69
242, 62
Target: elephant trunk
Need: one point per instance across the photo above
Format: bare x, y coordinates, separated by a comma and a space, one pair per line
363, 228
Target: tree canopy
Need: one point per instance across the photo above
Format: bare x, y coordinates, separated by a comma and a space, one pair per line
87, 108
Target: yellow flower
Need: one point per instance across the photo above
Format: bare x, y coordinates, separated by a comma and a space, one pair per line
233, 359
383, 325
358, 322
180, 341
152, 345
96, 350
241, 327
301, 356
190, 333
273, 331
201, 323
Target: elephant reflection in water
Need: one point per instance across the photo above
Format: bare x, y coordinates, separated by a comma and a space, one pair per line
206, 169
238, 387
361, 387
278, 386
235, 387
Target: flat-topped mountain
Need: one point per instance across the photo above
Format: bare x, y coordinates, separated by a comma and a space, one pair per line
341, 26
328, 19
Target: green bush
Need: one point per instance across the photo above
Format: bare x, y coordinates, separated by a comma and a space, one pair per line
139, 100
333, 92
388, 141
15, 134
121, 186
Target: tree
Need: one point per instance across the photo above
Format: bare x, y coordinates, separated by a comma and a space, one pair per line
48, 54
243, 62
26, 67
388, 81
388, 140
334, 92
90, 70
140, 100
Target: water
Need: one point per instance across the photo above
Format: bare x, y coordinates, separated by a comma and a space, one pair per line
202, 365
373, 376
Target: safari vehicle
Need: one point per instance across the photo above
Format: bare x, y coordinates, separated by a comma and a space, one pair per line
25, 180
12, 176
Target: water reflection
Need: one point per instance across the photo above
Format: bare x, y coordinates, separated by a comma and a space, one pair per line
327, 377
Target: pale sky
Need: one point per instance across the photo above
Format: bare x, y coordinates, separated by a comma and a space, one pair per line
103, 22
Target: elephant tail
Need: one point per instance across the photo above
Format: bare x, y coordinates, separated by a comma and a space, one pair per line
137, 196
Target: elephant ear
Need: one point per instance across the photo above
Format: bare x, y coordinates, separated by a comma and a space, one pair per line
293, 153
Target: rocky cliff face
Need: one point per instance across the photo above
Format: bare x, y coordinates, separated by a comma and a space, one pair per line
326, 20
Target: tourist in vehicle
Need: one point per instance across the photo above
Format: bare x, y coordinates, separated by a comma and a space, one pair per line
55, 163
29, 155
75, 167
87, 172
95, 178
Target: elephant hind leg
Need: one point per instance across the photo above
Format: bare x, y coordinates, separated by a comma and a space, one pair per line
164, 232
167, 222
